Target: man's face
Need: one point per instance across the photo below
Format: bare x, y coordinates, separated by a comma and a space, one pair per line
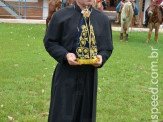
85, 2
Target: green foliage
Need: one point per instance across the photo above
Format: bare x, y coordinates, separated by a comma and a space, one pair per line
26, 71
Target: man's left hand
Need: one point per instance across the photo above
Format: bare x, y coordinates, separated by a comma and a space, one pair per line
99, 63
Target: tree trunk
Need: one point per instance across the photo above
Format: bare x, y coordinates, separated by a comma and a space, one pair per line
140, 12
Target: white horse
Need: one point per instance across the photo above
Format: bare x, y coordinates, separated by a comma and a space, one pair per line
126, 19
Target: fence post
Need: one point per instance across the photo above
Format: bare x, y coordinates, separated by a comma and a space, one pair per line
25, 10
140, 12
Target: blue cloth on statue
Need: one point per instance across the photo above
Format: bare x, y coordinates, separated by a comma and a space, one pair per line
86, 47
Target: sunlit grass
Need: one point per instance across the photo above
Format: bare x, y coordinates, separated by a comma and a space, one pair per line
26, 70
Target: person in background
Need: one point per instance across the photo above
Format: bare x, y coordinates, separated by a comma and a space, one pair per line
64, 3
104, 4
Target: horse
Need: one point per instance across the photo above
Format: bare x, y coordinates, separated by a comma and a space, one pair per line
55, 5
155, 14
126, 19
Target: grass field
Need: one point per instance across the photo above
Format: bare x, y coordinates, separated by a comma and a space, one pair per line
124, 81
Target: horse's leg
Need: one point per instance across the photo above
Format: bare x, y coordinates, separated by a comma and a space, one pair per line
156, 32
127, 33
121, 37
47, 22
127, 30
150, 32
126, 38
49, 14
121, 34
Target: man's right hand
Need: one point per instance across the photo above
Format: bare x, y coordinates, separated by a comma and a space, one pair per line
71, 58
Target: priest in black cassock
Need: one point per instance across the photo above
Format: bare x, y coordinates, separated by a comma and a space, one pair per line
79, 38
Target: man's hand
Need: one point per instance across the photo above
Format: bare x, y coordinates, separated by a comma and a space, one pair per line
71, 58
99, 63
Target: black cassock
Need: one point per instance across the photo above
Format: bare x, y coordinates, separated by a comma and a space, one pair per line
74, 88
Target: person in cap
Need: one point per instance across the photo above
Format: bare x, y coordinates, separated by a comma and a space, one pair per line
79, 38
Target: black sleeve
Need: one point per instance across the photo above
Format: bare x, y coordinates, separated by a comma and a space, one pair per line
107, 45
52, 40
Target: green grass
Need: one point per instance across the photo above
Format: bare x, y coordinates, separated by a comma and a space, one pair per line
26, 70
